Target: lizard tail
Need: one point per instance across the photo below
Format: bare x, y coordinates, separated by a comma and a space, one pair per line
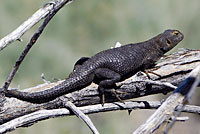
71, 84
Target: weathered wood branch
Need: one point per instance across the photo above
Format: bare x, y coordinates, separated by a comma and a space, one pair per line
172, 68
29, 23
81, 115
32, 118
166, 110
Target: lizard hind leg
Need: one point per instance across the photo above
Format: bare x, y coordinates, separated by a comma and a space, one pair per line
106, 80
78, 64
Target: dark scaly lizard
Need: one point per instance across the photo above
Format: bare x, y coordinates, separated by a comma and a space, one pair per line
107, 67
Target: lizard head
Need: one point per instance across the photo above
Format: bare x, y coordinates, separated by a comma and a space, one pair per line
169, 39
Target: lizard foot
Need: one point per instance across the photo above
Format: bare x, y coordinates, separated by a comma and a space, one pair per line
102, 96
116, 92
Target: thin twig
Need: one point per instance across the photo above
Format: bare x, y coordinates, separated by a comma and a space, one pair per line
167, 84
32, 42
82, 116
30, 22
185, 118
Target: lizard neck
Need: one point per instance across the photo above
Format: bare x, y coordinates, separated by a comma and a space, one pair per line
157, 44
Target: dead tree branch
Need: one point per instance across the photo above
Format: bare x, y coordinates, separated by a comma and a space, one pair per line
166, 110
29, 23
81, 115
34, 117
186, 89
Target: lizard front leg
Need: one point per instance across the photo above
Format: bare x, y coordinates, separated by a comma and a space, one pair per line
106, 80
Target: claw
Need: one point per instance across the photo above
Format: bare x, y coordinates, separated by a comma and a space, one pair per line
117, 96
147, 73
102, 99
102, 96
155, 73
115, 92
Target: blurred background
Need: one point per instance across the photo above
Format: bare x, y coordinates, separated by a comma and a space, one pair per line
84, 28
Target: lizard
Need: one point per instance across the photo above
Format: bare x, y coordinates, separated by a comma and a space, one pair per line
107, 67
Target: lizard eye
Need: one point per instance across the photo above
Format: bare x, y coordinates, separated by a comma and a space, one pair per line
175, 32
168, 42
